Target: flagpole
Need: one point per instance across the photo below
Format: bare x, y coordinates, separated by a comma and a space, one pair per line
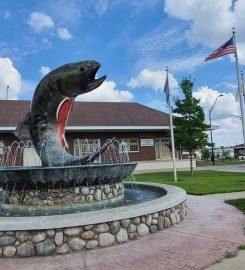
239, 88
172, 130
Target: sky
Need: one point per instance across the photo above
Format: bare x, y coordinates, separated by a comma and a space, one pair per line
133, 40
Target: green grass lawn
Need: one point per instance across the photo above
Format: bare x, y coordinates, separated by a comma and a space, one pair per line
202, 182
238, 203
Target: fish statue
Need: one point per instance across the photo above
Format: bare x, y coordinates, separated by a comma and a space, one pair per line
52, 102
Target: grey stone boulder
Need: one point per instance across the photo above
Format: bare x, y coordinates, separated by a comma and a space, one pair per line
122, 236
73, 231
62, 249
7, 240
115, 227
26, 249
39, 237
142, 229
101, 228
92, 244
59, 238
76, 243
9, 251
22, 236
106, 239
45, 248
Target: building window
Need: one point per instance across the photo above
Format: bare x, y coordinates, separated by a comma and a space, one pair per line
132, 144
85, 146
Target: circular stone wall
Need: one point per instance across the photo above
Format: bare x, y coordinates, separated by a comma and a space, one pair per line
60, 234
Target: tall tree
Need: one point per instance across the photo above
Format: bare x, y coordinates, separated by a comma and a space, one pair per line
189, 123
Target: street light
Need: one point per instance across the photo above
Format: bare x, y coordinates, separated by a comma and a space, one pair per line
210, 123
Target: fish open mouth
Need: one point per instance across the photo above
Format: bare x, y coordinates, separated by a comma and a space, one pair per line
92, 82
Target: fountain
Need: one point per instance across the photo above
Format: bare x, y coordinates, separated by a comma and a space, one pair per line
70, 203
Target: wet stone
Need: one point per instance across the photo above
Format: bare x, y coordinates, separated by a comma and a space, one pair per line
76, 243
85, 190
92, 244
9, 251
26, 249
45, 248
115, 227
7, 240
62, 249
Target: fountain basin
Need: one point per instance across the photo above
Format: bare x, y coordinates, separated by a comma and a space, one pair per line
60, 234
93, 174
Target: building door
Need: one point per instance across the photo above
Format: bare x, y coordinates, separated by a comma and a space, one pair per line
162, 149
30, 157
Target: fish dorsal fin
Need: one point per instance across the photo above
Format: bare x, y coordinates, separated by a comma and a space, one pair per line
22, 131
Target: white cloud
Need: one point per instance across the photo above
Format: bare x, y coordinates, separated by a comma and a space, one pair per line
107, 92
40, 21
27, 89
229, 130
64, 33
210, 22
44, 70
152, 79
9, 77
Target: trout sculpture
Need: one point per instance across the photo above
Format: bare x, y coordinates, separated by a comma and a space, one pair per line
45, 124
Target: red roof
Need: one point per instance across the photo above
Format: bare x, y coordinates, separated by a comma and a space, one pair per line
91, 114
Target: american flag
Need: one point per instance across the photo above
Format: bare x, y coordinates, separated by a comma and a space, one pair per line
227, 48
166, 89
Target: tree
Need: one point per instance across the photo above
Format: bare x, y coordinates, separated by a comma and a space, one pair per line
205, 153
226, 154
189, 123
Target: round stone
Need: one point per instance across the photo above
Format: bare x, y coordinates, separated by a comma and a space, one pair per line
26, 249
77, 190
132, 236
7, 240
50, 233
167, 222
148, 220
114, 192
153, 229
178, 219
182, 214
9, 251
92, 244
107, 189
88, 235
115, 227
97, 195
59, 238
90, 198
122, 236
155, 215
100, 228
67, 198
125, 223
73, 231
45, 248
160, 222
1, 252
62, 249
85, 190
154, 221
39, 237
173, 218
142, 229
106, 239
136, 220
22, 236
10, 233
88, 227
131, 228
76, 244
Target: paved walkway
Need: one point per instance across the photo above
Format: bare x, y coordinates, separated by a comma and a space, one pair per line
210, 231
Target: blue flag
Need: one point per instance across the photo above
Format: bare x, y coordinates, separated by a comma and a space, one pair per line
166, 90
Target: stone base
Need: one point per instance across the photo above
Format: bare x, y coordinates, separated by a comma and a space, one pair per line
66, 240
64, 196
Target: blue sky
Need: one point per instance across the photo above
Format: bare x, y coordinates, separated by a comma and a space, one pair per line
134, 41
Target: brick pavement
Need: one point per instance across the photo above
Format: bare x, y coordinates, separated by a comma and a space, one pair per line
210, 231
